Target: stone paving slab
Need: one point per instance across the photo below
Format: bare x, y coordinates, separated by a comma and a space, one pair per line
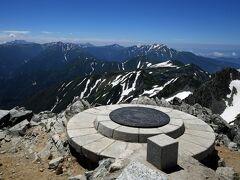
205, 142
199, 127
99, 119
197, 151
172, 130
92, 150
107, 128
203, 134
128, 134
115, 149
144, 133
78, 142
80, 132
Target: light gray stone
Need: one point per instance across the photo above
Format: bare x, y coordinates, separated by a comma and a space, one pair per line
107, 127
138, 171
115, 149
162, 151
20, 128
125, 133
80, 132
19, 114
53, 164
227, 173
2, 135
93, 149
4, 117
145, 133
78, 177
78, 142
233, 146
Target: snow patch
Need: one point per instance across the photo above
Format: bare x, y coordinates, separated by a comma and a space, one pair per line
139, 63
232, 110
163, 64
180, 95
86, 88
156, 89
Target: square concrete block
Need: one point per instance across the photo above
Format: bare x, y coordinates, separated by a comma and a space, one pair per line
162, 151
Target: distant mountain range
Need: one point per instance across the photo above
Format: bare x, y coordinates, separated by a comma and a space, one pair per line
27, 68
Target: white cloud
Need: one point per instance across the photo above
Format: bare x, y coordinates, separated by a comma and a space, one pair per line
16, 32
12, 35
218, 54
46, 32
234, 54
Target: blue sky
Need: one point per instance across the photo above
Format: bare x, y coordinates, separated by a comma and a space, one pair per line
174, 22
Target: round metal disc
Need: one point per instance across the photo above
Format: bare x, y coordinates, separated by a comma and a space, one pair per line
140, 117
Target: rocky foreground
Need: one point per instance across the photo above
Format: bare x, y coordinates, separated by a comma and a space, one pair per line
35, 146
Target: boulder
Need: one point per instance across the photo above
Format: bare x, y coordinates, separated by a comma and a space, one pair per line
53, 164
162, 102
4, 117
222, 138
176, 101
223, 126
144, 100
20, 128
221, 162
236, 138
2, 135
137, 171
78, 105
226, 173
19, 114
233, 146
102, 170
78, 177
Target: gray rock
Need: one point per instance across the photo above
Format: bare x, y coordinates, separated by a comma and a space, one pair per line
78, 105
137, 171
144, 100
234, 134
223, 139
223, 126
8, 138
221, 163
226, 173
236, 138
20, 128
176, 101
103, 169
53, 164
233, 146
162, 102
2, 135
19, 114
78, 177
45, 152
4, 117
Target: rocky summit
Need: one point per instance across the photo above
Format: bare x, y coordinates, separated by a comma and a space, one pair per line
39, 142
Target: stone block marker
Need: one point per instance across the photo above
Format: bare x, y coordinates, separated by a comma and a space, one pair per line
162, 151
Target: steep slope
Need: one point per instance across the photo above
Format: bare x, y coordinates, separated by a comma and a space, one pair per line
120, 87
219, 92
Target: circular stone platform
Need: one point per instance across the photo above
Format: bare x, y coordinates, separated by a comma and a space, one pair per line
95, 135
139, 117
